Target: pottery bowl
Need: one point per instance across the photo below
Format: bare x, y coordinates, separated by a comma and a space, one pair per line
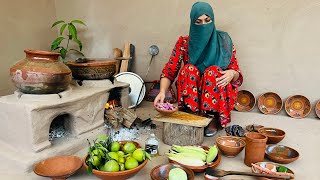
120, 175
281, 154
317, 109
297, 106
196, 169
161, 172
245, 101
230, 146
59, 167
163, 111
270, 103
93, 69
274, 135
267, 164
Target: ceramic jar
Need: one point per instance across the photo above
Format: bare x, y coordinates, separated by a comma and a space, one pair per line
255, 147
40, 73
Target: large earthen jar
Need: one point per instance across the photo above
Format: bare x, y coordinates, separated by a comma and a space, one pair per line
40, 72
255, 148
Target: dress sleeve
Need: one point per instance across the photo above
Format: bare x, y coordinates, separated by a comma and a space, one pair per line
173, 65
234, 65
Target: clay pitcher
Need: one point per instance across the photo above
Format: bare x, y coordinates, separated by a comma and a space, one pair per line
255, 148
40, 73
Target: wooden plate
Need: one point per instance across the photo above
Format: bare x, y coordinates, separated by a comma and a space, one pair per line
317, 109
297, 106
214, 164
245, 101
270, 103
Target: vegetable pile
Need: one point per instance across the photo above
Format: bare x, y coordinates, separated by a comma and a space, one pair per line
112, 156
192, 155
166, 106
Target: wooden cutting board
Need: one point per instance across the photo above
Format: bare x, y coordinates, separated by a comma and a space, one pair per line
183, 118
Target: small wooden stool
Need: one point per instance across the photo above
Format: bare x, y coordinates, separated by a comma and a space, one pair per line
182, 128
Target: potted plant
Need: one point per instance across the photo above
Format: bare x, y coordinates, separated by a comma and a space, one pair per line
70, 36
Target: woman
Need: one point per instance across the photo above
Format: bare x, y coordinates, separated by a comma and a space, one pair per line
209, 80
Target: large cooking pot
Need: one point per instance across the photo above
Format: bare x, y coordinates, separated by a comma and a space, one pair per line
93, 69
40, 72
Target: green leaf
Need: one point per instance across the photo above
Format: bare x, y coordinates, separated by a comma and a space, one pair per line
56, 23
57, 48
55, 44
102, 137
62, 28
148, 156
78, 21
80, 54
63, 53
72, 31
90, 168
79, 43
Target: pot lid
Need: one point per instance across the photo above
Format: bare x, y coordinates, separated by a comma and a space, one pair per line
136, 83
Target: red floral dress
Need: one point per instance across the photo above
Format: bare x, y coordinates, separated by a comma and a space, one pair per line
199, 93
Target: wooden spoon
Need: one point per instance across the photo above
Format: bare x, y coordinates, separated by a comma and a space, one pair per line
221, 173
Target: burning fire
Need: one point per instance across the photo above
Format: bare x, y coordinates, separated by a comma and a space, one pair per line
112, 104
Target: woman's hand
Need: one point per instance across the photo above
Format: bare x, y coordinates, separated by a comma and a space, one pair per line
226, 78
159, 98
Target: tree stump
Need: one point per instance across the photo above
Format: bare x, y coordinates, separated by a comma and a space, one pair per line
182, 135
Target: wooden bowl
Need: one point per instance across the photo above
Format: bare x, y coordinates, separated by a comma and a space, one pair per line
274, 135
93, 69
120, 175
255, 170
317, 109
161, 172
245, 101
215, 163
230, 146
270, 103
166, 111
59, 167
281, 154
297, 106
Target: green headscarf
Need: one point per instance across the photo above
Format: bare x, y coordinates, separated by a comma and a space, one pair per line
207, 46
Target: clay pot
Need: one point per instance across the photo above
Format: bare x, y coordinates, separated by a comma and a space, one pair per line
255, 147
162, 171
274, 135
40, 73
230, 146
93, 69
59, 167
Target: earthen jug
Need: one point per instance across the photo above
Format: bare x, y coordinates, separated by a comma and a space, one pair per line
40, 73
255, 148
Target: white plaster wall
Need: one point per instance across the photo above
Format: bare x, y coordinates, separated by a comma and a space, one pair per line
277, 40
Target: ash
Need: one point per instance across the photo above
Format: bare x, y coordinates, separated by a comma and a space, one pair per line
123, 133
57, 130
